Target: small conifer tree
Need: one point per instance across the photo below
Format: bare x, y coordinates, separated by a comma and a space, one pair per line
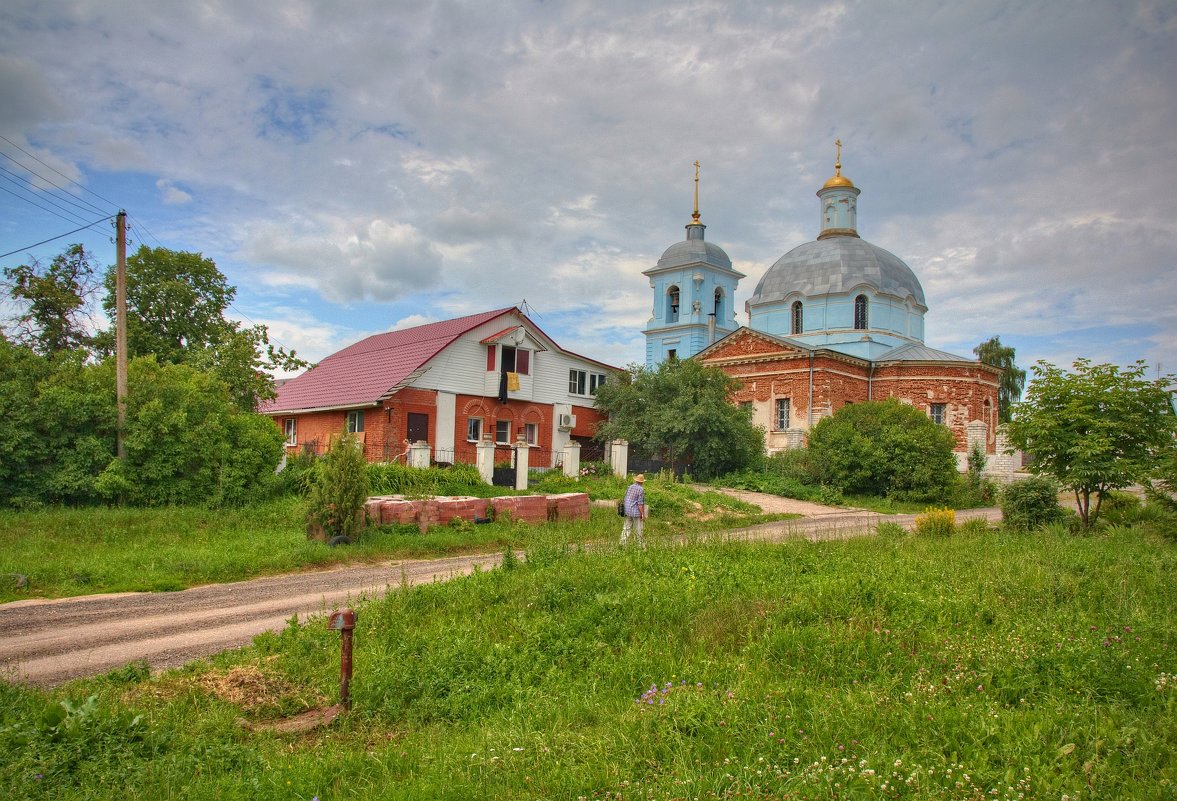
339, 488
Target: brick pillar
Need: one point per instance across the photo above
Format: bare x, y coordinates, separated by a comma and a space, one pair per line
572, 460
485, 458
521, 449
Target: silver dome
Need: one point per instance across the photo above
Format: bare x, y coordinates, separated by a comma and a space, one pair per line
692, 251
836, 265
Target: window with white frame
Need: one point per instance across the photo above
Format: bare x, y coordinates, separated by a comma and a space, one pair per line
531, 433
582, 382
516, 360
291, 431
473, 429
784, 411
355, 421
936, 412
503, 432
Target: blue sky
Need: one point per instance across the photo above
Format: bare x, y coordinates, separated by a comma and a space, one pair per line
359, 166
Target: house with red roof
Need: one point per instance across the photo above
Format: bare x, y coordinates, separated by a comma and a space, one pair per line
494, 375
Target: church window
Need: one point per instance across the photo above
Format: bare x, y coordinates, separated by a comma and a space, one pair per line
936, 412
717, 310
860, 316
798, 317
672, 355
783, 413
672, 304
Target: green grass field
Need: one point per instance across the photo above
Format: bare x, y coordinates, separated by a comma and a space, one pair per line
59, 552
983, 665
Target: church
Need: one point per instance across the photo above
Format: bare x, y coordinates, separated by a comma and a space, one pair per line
834, 321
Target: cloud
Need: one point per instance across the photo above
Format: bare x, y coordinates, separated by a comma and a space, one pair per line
171, 194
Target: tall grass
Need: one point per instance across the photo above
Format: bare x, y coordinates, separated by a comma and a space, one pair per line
983, 665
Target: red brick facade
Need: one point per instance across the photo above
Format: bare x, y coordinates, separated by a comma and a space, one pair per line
818, 383
386, 427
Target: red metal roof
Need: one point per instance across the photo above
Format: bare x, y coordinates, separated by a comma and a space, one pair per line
365, 372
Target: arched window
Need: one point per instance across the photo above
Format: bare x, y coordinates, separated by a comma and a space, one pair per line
672, 304
717, 309
860, 317
798, 318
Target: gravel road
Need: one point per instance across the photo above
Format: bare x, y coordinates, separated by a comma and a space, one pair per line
48, 642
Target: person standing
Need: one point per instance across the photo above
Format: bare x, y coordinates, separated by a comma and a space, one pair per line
635, 510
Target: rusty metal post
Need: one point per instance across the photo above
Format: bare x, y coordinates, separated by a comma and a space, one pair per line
344, 621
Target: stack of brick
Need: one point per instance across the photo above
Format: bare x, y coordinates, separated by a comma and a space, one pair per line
568, 506
462, 508
523, 508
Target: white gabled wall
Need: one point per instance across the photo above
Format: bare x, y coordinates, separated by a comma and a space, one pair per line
461, 369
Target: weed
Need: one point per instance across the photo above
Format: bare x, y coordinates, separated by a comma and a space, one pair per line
936, 523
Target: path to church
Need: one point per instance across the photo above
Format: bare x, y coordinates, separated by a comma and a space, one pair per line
48, 642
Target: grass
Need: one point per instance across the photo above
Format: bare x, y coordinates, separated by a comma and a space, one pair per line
978, 665
59, 552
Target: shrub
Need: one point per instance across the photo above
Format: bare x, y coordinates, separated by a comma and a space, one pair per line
889, 530
339, 488
884, 448
1119, 508
1030, 503
390, 478
936, 523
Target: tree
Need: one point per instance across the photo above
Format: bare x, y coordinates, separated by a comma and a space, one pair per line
54, 301
681, 412
1095, 428
886, 448
176, 304
339, 488
1013, 379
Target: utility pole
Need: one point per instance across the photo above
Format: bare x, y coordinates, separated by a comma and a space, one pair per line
120, 332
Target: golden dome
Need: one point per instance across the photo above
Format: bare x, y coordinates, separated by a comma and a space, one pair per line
838, 180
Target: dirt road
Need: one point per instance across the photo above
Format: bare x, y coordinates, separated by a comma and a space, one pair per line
48, 642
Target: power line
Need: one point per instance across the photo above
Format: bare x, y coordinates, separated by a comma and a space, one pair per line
59, 172
45, 197
72, 219
61, 236
90, 206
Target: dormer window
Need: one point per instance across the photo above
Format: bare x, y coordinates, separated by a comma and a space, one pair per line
516, 360
860, 315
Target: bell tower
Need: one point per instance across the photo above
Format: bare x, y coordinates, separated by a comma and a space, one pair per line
694, 288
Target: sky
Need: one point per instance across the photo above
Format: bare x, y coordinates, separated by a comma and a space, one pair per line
355, 167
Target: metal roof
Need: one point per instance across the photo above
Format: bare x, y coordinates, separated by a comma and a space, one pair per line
363, 373
835, 265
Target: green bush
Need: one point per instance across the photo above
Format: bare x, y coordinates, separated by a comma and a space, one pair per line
1030, 503
339, 488
1118, 508
884, 448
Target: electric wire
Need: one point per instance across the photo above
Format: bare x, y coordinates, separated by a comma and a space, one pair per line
72, 219
55, 238
42, 196
90, 207
59, 172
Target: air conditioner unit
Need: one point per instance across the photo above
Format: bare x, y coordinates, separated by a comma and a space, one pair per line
567, 421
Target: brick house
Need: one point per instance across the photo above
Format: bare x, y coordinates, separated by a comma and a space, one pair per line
493, 375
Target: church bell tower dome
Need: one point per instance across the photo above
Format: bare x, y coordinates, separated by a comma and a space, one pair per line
840, 291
